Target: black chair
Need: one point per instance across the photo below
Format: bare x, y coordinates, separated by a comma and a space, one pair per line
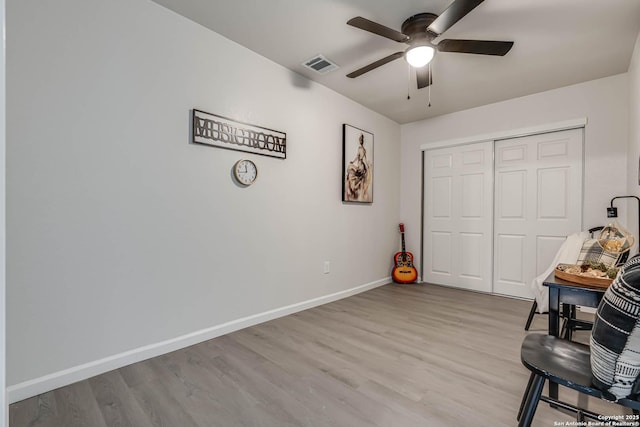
532, 312
565, 363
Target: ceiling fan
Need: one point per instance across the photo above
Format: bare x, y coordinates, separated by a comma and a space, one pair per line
419, 31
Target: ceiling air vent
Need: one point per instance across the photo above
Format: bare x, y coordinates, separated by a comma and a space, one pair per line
320, 64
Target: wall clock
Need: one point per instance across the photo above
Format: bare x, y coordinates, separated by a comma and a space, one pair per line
245, 172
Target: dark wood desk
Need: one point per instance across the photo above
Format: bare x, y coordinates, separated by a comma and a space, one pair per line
569, 294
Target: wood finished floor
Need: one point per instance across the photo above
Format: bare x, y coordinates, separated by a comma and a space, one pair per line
398, 355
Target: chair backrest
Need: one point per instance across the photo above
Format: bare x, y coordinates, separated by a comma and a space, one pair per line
622, 258
594, 229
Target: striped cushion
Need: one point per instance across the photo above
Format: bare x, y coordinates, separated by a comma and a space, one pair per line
593, 252
615, 338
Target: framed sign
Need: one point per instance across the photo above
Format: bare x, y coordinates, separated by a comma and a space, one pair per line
357, 165
218, 131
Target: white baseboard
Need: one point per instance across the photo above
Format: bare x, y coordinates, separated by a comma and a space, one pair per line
65, 377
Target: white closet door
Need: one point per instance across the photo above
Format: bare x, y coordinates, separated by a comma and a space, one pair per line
538, 202
458, 216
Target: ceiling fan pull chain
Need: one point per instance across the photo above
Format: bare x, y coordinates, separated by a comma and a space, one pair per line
408, 81
429, 85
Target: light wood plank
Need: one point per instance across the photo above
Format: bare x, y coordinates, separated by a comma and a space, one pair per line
117, 402
398, 355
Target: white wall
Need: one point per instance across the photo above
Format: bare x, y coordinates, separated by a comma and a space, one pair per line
633, 189
4, 413
603, 102
121, 234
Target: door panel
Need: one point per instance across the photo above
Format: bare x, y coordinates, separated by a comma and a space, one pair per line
441, 258
441, 193
441, 161
513, 246
512, 183
554, 148
458, 216
471, 246
510, 154
472, 195
552, 193
546, 248
473, 157
538, 202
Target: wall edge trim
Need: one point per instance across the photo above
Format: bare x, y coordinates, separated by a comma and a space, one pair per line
45, 383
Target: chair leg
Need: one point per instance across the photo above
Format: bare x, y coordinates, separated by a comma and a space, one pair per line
533, 397
532, 312
568, 314
567, 330
573, 313
524, 396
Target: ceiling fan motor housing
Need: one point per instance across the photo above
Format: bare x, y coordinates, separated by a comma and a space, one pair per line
416, 27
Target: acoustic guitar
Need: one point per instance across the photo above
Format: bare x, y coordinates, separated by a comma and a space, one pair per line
404, 271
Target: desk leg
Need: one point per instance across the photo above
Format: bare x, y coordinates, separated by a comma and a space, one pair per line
554, 328
554, 312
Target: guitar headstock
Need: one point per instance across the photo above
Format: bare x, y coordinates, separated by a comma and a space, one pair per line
401, 227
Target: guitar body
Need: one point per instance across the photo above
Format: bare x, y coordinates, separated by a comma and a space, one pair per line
403, 270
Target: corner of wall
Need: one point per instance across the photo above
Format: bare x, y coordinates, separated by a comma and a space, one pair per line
633, 149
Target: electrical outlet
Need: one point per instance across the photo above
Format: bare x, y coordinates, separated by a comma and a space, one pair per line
327, 267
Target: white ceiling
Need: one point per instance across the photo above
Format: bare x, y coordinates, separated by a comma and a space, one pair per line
557, 43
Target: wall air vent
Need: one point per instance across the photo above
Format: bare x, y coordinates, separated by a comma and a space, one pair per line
320, 64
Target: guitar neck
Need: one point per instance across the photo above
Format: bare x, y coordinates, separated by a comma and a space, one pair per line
403, 248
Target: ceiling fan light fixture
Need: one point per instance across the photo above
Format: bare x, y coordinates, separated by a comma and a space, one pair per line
420, 55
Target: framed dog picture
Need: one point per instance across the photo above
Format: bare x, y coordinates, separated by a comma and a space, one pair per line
357, 165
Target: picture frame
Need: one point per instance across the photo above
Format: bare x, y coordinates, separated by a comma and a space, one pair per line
357, 165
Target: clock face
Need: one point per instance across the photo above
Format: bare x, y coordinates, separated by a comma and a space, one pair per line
245, 172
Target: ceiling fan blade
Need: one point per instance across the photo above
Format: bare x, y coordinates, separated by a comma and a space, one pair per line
425, 77
479, 47
375, 28
375, 65
455, 12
